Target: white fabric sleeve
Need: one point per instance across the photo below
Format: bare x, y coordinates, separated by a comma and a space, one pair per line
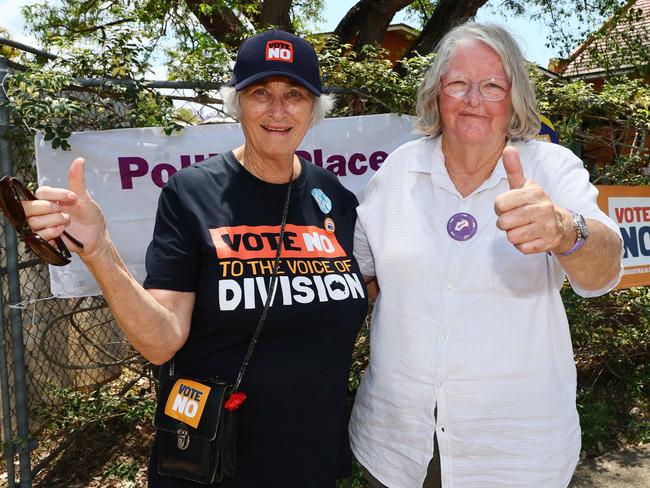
362, 251
573, 191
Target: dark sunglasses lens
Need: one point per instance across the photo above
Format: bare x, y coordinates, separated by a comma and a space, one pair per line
11, 206
12, 192
62, 248
45, 250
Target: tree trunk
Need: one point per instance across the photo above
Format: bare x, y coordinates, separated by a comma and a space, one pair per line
366, 22
222, 23
448, 14
276, 13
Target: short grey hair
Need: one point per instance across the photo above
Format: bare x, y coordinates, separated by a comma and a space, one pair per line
322, 105
525, 119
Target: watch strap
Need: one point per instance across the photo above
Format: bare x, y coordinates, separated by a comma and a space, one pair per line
577, 246
580, 239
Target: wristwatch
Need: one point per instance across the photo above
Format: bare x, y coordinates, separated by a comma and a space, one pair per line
582, 233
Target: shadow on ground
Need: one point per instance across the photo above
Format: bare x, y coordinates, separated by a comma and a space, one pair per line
626, 468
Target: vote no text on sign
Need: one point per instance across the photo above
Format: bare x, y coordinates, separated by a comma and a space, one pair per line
629, 207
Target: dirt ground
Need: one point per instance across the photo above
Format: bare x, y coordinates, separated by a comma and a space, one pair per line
625, 468
120, 453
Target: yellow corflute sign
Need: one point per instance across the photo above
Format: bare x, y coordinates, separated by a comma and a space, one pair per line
186, 401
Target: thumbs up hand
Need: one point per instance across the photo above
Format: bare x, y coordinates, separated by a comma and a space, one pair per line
73, 210
512, 165
532, 222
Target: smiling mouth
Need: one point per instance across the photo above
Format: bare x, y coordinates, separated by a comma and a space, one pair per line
276, 129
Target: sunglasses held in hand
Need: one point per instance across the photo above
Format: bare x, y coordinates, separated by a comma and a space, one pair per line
12, 192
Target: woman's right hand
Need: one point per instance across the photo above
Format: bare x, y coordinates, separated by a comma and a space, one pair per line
72, 210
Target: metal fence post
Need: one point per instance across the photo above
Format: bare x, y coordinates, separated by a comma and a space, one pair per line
15, 316
4, 379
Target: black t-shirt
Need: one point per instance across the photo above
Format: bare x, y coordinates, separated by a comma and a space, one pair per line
216, 233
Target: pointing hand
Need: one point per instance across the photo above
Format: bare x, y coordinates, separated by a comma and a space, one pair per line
59, 209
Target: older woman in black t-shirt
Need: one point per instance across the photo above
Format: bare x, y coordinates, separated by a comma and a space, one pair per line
210, 263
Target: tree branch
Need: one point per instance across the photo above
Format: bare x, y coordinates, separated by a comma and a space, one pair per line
366, 22
222, 24
448, 13
276, 13
102, 26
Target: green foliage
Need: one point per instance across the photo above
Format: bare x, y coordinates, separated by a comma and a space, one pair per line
43, 102
420, 11
122, 470
378, 87
623, 44
611, 338
48, 98
77, 409
570, 21
610, 124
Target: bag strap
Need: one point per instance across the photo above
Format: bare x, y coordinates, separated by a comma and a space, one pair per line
270, 292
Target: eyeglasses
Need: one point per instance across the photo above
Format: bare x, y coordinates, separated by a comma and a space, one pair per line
457, 85
12, 192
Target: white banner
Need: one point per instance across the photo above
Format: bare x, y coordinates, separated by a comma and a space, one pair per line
126, 168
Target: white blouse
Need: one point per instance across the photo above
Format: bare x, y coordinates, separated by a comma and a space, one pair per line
472, 326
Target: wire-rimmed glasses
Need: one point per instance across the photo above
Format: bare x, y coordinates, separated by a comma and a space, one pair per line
492, 89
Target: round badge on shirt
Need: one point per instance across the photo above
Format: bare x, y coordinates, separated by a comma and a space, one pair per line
329, 225
462, 226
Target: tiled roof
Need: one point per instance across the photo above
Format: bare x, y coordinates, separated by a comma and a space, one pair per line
581, 61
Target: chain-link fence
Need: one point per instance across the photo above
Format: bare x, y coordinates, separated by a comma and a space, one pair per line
50, 344
71, 344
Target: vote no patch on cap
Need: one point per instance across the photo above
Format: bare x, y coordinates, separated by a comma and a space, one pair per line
322, 200
186, 401
279, 50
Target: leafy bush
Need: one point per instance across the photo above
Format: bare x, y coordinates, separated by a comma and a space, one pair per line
611, 338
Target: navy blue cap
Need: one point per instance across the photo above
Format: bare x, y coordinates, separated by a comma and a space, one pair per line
276, 53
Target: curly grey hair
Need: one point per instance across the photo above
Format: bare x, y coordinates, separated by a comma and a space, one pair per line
322, 105
525, 119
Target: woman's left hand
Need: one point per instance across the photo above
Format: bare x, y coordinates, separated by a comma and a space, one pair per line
532, 222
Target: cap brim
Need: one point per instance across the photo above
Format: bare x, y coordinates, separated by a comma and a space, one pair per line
265, 74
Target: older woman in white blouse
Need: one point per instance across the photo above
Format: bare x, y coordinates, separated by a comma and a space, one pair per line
470, 232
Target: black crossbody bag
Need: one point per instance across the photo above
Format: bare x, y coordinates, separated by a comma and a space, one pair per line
196, 419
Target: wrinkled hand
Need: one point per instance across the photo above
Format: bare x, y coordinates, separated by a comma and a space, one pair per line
531, 221
73, 210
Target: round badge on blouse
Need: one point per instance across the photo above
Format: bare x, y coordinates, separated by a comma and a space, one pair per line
329, 225
462, 226
323, 201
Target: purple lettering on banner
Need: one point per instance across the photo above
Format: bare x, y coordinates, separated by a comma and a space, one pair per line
185, 160
304, 155
352, 164
376, 159
127, 173
318, 157
357, 165
337, 165
157, 171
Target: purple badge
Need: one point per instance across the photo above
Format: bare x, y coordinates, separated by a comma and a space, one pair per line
462, 226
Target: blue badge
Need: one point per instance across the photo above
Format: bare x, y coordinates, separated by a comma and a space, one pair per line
324, 203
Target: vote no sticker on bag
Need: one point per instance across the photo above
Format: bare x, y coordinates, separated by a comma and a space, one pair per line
186, 401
